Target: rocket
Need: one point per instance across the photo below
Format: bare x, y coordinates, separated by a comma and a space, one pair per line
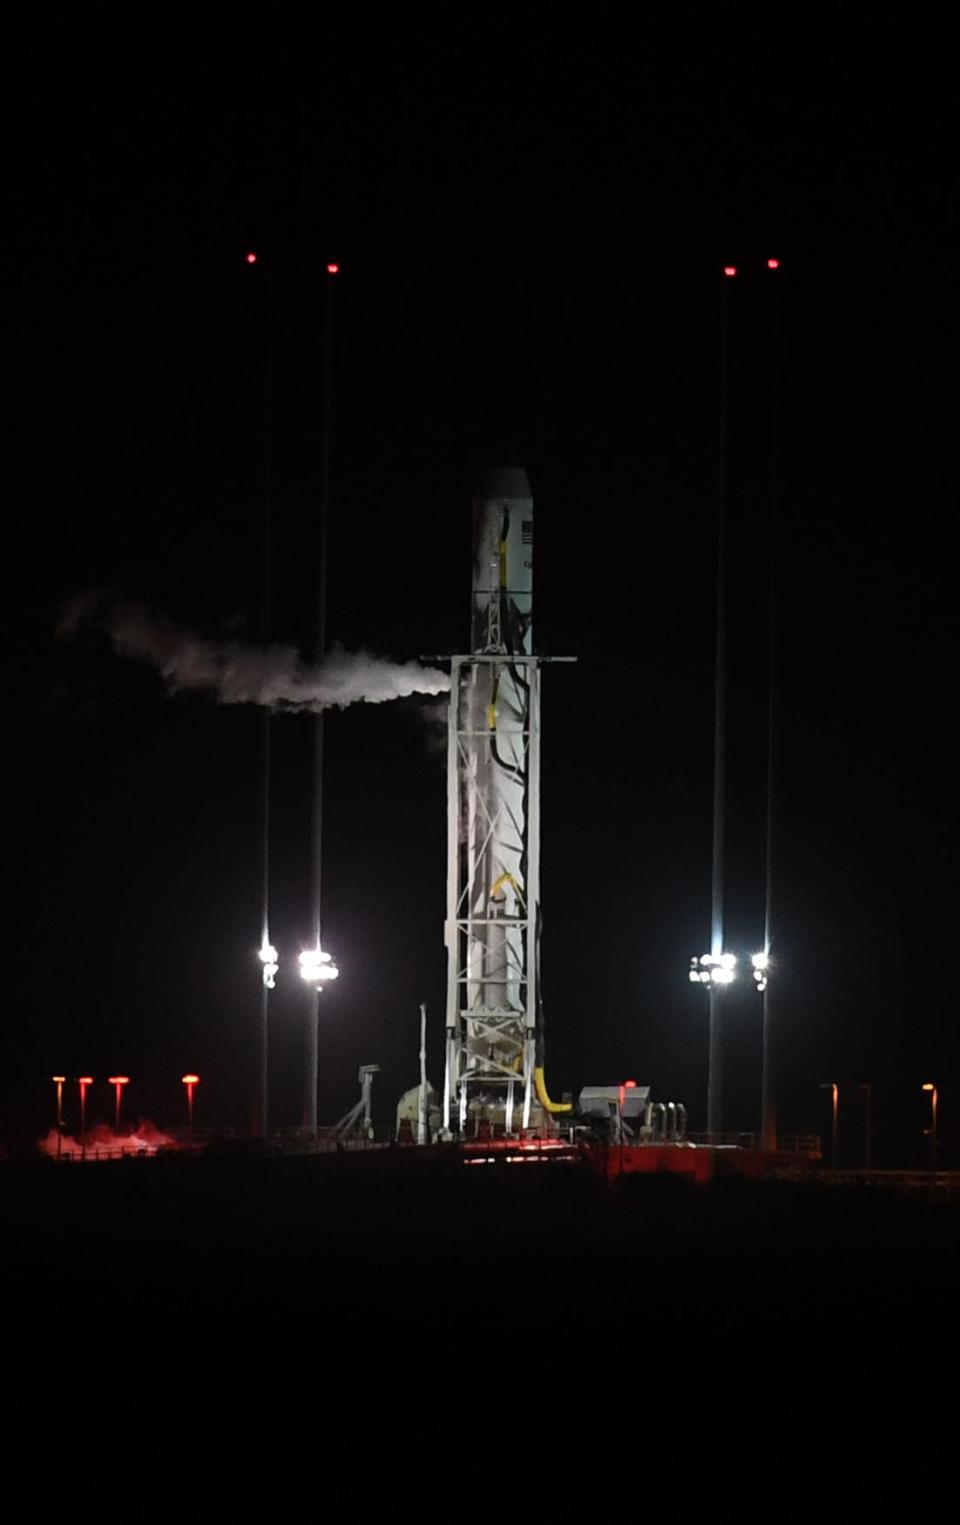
498, 701
494, 1046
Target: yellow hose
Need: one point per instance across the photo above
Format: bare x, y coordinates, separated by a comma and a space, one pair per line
544, 1099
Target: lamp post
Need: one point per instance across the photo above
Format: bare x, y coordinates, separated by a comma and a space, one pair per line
268, 953
760, 963
715, 971
118, 1082
868, 1090
316, 968
58, 1081
83, 1082
834, 1089
190, 1081
310, 970
932, 1130
270, 962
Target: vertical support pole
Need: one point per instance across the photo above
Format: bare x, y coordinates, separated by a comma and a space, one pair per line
313, 1020
768, 1084
367, 1097
835, 1089
715, 1055
768, 1096
715, 1062
451, 935
422, 1107
264, 1060
532, 888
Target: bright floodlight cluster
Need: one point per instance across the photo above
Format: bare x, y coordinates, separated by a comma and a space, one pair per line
713, 969
316, 967
721, 969
270, 962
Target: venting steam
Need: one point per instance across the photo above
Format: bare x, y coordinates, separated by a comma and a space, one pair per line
235, 672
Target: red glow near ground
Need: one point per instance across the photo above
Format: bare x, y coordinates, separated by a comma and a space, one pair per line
102, 1143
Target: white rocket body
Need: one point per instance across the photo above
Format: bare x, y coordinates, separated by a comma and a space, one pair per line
497, 703
493, 878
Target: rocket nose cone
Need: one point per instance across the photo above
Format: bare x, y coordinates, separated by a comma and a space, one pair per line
503, 482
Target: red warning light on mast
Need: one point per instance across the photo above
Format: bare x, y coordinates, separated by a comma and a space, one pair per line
773, 264
730, 270
250, 258
333, 269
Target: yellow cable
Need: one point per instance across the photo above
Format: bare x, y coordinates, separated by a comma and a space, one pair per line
544, 1099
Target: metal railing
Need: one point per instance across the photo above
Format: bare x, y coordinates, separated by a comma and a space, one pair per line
328, 1141
787, 1143
946, 1182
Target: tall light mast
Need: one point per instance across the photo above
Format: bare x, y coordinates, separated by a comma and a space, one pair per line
493, 1024
316, 966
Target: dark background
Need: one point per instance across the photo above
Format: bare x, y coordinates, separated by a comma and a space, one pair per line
531, 229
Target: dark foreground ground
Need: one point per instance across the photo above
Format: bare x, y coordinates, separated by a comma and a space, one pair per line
207, 1339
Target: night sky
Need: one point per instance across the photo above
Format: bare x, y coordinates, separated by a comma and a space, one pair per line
531, 231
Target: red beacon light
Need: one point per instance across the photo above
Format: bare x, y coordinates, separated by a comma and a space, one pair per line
333, 269
118, 1082
773, 264
250, 258
190, 1081
730, 270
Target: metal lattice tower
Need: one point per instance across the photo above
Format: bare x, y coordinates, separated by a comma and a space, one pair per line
493, 825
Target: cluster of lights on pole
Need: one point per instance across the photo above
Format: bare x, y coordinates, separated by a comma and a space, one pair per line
713, 969
271, 964
316, 967
721, 969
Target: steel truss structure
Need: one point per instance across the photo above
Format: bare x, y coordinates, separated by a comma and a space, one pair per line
493, 887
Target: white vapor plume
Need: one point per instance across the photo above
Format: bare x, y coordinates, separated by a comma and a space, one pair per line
236, 672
